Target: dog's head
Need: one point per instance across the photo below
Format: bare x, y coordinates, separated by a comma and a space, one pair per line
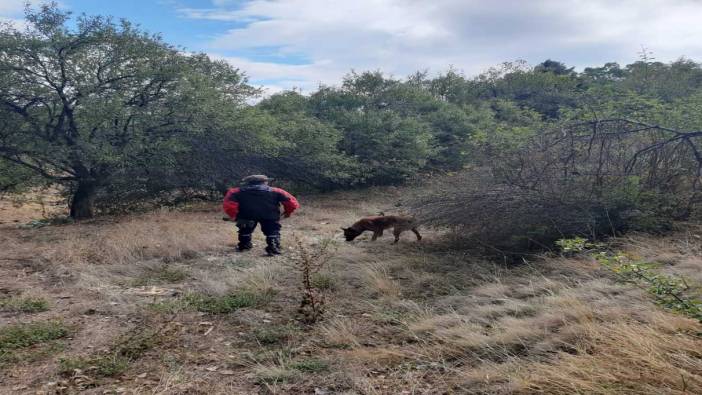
351, 233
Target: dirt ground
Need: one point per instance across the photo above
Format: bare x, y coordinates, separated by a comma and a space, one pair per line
160, 303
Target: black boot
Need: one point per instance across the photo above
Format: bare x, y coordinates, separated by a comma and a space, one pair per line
244, 243
273, 245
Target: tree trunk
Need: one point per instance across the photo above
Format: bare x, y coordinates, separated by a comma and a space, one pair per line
82, 200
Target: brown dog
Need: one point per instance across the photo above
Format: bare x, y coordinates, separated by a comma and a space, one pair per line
378, 224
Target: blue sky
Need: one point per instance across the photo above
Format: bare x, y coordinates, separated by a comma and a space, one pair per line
284, 44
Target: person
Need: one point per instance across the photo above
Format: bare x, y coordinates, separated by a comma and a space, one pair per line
255, 202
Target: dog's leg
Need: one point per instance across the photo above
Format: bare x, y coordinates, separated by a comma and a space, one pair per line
375, 235
396, 232
416, 232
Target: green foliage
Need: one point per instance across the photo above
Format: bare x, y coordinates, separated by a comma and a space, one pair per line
15, 340
671, 292
227, 303
160, 275
311, 365
113, 105
323, 281
574, 245
119, 116
24, 304
25, 335
214, 304
99, 366
273, 335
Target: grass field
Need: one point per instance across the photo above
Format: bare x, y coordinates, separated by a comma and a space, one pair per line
160, 303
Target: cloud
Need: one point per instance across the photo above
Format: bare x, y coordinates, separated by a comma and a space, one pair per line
16, 23
402, 36
12, 11
11, 7
15, 8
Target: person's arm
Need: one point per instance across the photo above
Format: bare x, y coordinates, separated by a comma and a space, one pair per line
230, 205
290, 204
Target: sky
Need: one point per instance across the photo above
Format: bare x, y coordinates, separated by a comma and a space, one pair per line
300, 44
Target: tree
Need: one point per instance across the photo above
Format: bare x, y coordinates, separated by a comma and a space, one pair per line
553, 66
104, 101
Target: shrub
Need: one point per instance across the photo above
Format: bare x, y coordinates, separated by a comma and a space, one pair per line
309, 260
591, 179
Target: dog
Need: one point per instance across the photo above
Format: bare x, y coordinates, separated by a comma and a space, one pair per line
378, 224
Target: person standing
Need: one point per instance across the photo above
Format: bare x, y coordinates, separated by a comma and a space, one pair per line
256, 202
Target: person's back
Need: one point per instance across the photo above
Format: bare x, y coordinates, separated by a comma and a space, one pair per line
256, 202
259, 202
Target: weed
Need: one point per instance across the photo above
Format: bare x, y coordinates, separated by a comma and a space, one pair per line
309, 261
323, 281
213, 304
24, 304
116, 360
669, 291
161, 275
275, 374
100, 366
169, 306
17, 337
575, 245
272, 335
227, 303
311, 365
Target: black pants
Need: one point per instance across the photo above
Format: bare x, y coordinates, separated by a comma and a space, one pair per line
270, 228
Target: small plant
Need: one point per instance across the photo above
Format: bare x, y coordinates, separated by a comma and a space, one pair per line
169, 306
213, 304
311, 365
573, 245
17, 337
161, 275
100, 366
272, 335
116, 360
669, 291
309, 261
227, 303
24, 304
323, 281
275, 374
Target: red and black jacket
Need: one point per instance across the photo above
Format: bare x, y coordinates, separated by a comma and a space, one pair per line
258, 202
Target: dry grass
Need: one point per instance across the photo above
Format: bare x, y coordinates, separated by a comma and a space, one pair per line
171, 235
380, 282
661, 357
413, 318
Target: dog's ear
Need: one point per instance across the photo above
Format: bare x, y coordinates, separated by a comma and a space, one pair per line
342, 228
